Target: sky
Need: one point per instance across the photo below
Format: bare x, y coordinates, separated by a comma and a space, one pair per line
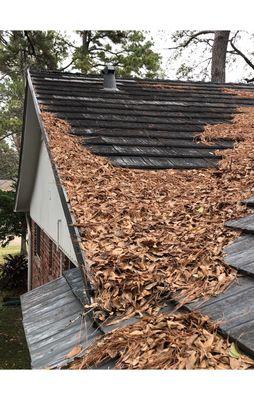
235, 72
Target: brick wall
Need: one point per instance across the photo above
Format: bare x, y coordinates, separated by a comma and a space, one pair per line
47, 261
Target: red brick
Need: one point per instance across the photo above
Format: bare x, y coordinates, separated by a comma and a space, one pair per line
47, 266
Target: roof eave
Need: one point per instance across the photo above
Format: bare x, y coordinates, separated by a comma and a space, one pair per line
30, 146
33, 133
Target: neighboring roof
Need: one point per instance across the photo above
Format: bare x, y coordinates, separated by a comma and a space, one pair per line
146, 124
6, 184
54, 321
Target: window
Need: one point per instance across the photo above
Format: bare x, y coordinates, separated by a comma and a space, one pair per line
38, 241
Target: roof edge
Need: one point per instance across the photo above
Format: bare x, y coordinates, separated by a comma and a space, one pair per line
73, 230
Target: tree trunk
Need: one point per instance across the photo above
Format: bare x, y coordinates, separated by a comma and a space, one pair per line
86, 37
219, 53
23, 249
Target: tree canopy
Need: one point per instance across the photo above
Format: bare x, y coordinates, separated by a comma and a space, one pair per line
130, 51
9, 161
20, 50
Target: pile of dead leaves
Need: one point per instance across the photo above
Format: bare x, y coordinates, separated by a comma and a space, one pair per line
176, 341
167, 86
241, 128
149, 235
240, 92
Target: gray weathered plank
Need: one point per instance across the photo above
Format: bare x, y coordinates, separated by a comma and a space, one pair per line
52, 321
249, 202
244, 224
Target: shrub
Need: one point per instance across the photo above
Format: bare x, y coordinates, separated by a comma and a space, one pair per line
13, 273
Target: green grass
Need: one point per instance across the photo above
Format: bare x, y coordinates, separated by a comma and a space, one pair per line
10, 249
14, 353
13, 348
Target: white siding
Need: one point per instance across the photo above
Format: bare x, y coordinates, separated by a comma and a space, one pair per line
46, 208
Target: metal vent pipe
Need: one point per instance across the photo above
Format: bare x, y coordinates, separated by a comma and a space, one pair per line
109, 78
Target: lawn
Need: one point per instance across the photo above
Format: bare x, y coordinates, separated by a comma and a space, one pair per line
13, 349
10, 249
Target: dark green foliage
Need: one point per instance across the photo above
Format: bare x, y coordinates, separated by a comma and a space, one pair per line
129, 51
13, 273
11, 224
11, 110
20, 50
8, 161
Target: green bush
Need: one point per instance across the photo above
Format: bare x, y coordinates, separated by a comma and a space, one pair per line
13, 273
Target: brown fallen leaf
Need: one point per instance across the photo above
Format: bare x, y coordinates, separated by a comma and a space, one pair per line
74, 352
234, 363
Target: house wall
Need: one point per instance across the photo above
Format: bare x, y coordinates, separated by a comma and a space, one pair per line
46, 208
50, 263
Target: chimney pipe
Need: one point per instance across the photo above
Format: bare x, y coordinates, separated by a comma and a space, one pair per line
109, 79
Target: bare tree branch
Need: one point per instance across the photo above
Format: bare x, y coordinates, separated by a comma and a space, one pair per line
2, 39
240, 53
69, 43
5, 136
191, 38
67, 66
115, 53
203, 61
235, 35
2, 77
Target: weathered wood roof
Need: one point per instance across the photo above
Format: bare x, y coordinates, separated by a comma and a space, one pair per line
54, 321
234, 312
54, 326
145, 127
234, 309
146, 124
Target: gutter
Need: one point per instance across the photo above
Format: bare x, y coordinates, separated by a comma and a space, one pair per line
29, 265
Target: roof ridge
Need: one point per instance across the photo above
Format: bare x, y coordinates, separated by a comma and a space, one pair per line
173, 81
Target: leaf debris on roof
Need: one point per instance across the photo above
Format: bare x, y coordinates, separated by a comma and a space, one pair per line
143, 232
176, 341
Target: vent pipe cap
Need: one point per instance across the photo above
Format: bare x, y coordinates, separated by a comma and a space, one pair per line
109, 78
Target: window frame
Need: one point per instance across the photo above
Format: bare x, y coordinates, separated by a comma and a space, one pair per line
37, 246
